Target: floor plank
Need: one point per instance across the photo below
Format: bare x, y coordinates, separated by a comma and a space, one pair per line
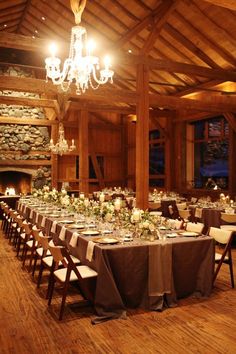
28, 326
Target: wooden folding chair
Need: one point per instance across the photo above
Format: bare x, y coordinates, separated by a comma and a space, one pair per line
224, 238
69, 274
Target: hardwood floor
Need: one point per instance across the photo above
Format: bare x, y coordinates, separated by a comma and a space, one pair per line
27, 325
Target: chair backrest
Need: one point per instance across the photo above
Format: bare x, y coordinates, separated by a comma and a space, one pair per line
56, 252
181, 206
184, 214
229, 218
44, 241
193, 200
35, 233
220, 235
198, 227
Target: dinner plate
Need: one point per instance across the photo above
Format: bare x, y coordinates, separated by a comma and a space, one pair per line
106, 232
174, 234
54, 215
76, 226
107, 240
90, 232
66, 221
189, 233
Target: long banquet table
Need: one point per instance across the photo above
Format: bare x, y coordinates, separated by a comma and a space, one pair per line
140, 273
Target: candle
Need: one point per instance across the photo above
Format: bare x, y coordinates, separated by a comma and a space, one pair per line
102, 197
117, 204
86, 202
136, 215
81, 195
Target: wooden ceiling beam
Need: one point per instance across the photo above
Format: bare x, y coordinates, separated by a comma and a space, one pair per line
12, 10
26, 121
27, 101
228, 4
208, 103
165, 10
216, 104
10, 40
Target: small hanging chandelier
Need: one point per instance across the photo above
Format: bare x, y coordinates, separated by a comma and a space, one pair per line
61, 147
81, 66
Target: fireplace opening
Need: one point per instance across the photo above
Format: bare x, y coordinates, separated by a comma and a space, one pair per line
20, 181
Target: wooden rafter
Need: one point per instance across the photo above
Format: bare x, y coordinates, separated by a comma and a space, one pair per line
165, 10
179, 37
228, 4
27, 5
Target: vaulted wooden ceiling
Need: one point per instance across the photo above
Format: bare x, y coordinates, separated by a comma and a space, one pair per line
189, 45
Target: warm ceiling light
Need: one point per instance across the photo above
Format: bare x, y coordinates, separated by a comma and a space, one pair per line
33, 37
5, 25
43, 18
81, 66
36, 31
129, 51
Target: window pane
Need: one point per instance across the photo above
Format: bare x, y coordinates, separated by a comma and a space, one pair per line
214, 127
154, 134
199, 130
211, 161
157, 159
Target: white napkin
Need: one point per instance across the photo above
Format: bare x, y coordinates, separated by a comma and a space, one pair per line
89, 252
34, 227
54, 226
41, 233
31, 214
62, 234
25, 222
74, 239
37, 218
43, 221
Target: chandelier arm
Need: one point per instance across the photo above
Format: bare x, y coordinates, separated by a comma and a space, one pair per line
102, 79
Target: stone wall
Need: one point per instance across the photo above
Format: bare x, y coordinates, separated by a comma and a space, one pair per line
26, 141
25, 138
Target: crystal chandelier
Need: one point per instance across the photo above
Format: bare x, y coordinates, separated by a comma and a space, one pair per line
81, 66
61, 147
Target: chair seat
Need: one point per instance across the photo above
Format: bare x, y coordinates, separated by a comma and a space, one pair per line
218, 257
39, 252
30, 243
23, 235
75, 260
228, 227
85, 272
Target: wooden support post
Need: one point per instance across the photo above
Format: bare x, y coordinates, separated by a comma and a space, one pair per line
124, 150
54, 157
83, 153
142, 139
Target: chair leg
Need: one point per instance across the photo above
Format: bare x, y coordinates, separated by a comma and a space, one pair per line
24, 255
18, 246
63, 300
51, 288
231, 268
34, 265
40, 274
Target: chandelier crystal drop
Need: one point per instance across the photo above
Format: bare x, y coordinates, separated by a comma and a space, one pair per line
61, 147
80, 67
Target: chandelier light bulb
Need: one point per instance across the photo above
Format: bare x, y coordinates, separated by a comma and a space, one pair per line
53, 49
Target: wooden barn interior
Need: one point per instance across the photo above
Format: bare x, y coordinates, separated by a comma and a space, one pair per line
166, 123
